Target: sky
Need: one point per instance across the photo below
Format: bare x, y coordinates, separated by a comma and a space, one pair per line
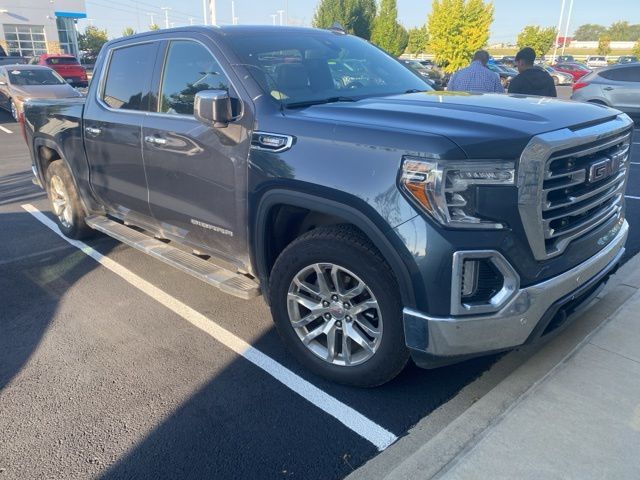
509, 18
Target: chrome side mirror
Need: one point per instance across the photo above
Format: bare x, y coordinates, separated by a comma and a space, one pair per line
213, 107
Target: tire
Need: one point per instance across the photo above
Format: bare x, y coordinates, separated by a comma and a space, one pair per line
65, 202
366, 281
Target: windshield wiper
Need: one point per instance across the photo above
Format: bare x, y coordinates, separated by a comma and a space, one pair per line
415, 90
322, 101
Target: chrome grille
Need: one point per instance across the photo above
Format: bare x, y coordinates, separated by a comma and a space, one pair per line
583, 188
570, 181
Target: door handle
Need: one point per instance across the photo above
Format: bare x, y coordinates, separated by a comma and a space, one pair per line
155, 140
608, 88
93, 130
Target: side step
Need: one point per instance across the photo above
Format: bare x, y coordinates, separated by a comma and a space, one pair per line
229, 282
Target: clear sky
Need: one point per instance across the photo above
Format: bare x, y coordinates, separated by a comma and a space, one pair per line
510, 15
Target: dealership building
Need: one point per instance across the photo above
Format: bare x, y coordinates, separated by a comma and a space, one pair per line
32, 27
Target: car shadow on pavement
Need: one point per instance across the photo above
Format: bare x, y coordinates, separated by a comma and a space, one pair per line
18, 188
34, 279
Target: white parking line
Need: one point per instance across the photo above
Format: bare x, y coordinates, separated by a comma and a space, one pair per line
349, 417
632, 197
5, 130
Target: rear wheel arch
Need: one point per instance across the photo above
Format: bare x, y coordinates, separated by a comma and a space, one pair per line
295, 213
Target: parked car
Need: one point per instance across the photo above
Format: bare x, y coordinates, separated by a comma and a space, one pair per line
428, 63
508, 60
565, 59
22, 82
576, 70
13, 60
559, 78
506, 74
596, 62
67, 67
617, 86
627, 59
434, 78
380, 221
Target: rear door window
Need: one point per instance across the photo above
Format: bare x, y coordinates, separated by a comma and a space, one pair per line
62, 61
128, 79
190, 68
627, 74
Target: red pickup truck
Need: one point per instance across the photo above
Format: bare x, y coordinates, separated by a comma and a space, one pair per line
67, 66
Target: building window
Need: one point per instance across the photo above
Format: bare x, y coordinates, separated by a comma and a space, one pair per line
25, 40
67, 35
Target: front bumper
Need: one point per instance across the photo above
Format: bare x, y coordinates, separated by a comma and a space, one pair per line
435, 339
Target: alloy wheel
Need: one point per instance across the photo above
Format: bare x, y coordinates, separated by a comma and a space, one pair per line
60, 201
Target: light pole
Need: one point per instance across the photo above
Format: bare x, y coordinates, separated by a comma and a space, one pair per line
212, 8
555, 48
281, 12
234, 19
152, 15
273, 18
204, 11
566, 30
166, 16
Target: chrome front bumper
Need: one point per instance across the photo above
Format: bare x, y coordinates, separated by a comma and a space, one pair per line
516, 321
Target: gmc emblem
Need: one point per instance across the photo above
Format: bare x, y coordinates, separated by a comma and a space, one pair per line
605, 168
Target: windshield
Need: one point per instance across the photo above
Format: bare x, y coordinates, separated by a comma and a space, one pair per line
35, 77
62, 61
312, 68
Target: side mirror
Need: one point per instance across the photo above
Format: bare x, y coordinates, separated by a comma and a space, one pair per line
213, 107
2, 83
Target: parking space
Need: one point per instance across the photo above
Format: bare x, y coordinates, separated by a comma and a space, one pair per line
113, 364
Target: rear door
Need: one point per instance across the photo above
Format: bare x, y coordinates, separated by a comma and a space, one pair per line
197, 173
623, 88
113, 128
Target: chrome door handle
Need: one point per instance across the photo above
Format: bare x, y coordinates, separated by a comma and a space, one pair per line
93, 130
155, 140
608, 88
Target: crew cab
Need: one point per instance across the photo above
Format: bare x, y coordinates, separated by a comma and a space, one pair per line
380, 220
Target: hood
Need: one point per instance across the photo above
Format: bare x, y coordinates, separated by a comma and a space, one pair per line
483, 125
45, 91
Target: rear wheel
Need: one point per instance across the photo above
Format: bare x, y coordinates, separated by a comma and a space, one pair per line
336, 306
65, 202
14, 111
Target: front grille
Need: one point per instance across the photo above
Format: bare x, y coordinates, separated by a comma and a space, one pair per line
582, 188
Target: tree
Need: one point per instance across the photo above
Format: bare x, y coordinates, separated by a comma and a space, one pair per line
604, 45
636, 48
92, 40
540, 39
457, 29
127, 32
589, 32
154, 26
418, 39
356, 16
619, 31
387, 33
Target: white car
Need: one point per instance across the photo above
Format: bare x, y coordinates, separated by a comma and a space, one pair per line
594, 62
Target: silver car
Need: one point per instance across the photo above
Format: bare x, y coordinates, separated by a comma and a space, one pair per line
617, 86
21, 82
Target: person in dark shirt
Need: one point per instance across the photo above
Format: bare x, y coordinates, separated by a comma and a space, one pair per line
531, 80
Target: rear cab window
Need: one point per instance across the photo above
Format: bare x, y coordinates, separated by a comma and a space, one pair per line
62, 61
128, 78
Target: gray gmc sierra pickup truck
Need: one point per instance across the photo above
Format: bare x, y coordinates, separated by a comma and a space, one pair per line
381, 220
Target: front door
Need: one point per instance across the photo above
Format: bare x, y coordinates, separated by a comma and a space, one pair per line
196, 173
113, 129
624, 91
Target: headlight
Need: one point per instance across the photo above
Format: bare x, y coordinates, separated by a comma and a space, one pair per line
447, 190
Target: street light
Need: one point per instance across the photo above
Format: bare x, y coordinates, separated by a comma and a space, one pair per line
555, 48
273, 18
566, 30
166, 16
281, 12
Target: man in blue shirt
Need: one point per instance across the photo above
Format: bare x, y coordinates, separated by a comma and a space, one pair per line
476, 77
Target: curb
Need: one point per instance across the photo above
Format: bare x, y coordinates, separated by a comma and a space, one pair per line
435, 444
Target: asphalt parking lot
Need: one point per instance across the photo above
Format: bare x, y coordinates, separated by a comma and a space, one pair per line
126, 368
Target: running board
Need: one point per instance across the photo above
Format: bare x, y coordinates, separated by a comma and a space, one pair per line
225, 280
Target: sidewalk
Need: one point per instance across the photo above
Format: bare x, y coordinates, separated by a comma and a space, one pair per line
570, 411
581, 422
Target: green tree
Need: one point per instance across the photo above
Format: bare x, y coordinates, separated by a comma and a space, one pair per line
636, 48
92, 40
457, 29
540, 39
387, 33
356, 16
418, 39
127, 32
620, 31
154, 26
589, 32
604, 45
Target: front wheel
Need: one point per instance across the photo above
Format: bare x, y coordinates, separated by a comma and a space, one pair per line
65, 202
336, 306
14, 111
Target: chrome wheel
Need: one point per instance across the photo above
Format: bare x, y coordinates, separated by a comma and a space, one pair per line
335, 314
14, 111
60, 201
